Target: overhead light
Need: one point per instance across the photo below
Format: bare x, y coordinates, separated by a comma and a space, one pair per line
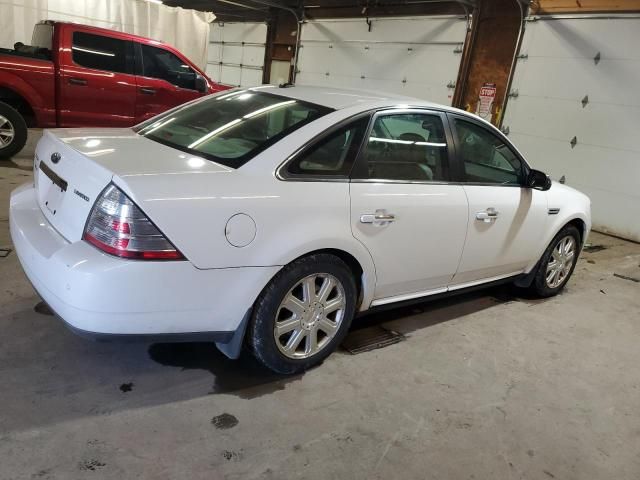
159, 2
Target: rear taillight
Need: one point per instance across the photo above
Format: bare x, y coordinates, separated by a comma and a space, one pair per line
118, 227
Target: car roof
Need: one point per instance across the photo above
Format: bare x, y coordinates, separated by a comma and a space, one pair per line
340, 98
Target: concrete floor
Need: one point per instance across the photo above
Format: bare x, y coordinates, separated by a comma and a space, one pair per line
487, 386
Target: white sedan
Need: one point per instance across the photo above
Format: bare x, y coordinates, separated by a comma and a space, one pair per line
269, 217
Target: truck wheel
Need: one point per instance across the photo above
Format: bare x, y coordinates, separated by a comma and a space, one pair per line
13, 131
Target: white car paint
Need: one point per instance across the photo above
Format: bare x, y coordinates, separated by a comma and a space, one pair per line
238, 227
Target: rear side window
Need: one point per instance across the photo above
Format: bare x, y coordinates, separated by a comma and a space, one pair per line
101, 53
407, 147
162, 64
233, 127
333, 155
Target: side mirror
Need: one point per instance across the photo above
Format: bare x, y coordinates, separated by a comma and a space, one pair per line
201, 84
538, 180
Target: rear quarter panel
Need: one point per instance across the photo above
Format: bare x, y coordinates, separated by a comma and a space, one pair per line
292, 218
34, 80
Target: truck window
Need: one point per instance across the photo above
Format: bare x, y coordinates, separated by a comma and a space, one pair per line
160, 63
100, 53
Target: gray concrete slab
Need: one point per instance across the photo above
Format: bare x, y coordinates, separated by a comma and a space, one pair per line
487, 386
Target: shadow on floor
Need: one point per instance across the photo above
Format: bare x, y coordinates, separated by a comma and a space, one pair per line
244, 377
66, 377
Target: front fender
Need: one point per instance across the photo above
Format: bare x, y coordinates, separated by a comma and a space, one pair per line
571, 205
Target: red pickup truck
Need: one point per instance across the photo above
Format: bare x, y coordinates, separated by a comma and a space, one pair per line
76, 75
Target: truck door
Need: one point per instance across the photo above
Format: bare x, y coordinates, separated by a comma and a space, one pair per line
97, 87
164, 80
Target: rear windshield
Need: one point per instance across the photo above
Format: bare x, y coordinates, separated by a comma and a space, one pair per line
231, 128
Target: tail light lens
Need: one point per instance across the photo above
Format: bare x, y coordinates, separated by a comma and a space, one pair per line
118, 227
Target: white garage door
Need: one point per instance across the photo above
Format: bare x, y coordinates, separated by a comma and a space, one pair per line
577, 112
236, 53
416, 56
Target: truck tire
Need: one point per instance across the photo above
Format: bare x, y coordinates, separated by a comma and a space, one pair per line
13, 131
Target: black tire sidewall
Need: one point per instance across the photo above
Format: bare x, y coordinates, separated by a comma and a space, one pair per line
260, 334
19, 127
540, 282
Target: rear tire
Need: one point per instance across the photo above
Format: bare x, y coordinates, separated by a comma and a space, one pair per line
13, 131
557, 263
303, 314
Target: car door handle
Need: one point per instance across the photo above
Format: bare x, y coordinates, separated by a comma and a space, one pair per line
487, 216
77, 81
148, 90
380, 218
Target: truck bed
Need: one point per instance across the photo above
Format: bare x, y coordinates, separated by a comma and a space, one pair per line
43, 55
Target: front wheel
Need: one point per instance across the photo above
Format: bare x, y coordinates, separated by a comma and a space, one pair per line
557, 263
13, 131
303, 314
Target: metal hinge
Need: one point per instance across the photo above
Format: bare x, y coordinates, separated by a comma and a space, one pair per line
514, 94
585, 101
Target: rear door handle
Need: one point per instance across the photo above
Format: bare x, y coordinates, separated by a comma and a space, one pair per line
77, 81
488, 216
378, 219
148, 90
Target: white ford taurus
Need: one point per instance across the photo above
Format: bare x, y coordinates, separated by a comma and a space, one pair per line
270, 216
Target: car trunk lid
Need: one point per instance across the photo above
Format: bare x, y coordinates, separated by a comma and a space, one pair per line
73, 166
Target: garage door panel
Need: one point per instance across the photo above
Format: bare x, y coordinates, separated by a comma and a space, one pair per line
583, 169
619, 221
253, 55
238, 47
582, 38
400, 29
244, 32
230, 75
408, 56
232, 53
558, 73
214, 55
314, 59
591, 125
251, 77
613, 81
213, 71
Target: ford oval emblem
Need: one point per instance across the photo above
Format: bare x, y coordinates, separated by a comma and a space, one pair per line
55, 157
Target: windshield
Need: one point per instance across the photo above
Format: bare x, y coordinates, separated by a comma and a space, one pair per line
231, 128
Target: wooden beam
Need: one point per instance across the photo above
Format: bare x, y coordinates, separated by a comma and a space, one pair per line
541, 7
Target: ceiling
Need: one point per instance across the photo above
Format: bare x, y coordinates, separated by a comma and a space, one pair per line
262, 10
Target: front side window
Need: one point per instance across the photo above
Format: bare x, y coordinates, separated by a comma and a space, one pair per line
407, 147
100, 53
231, 128
333, 155
162, 64
486, 158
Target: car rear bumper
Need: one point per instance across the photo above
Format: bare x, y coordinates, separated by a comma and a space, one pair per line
100, 295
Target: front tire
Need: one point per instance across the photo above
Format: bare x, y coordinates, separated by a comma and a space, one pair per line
13, 131
557, 263
303, 314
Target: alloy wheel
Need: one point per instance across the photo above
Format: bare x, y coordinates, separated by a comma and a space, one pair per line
7, 132
560, 262
309, 316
